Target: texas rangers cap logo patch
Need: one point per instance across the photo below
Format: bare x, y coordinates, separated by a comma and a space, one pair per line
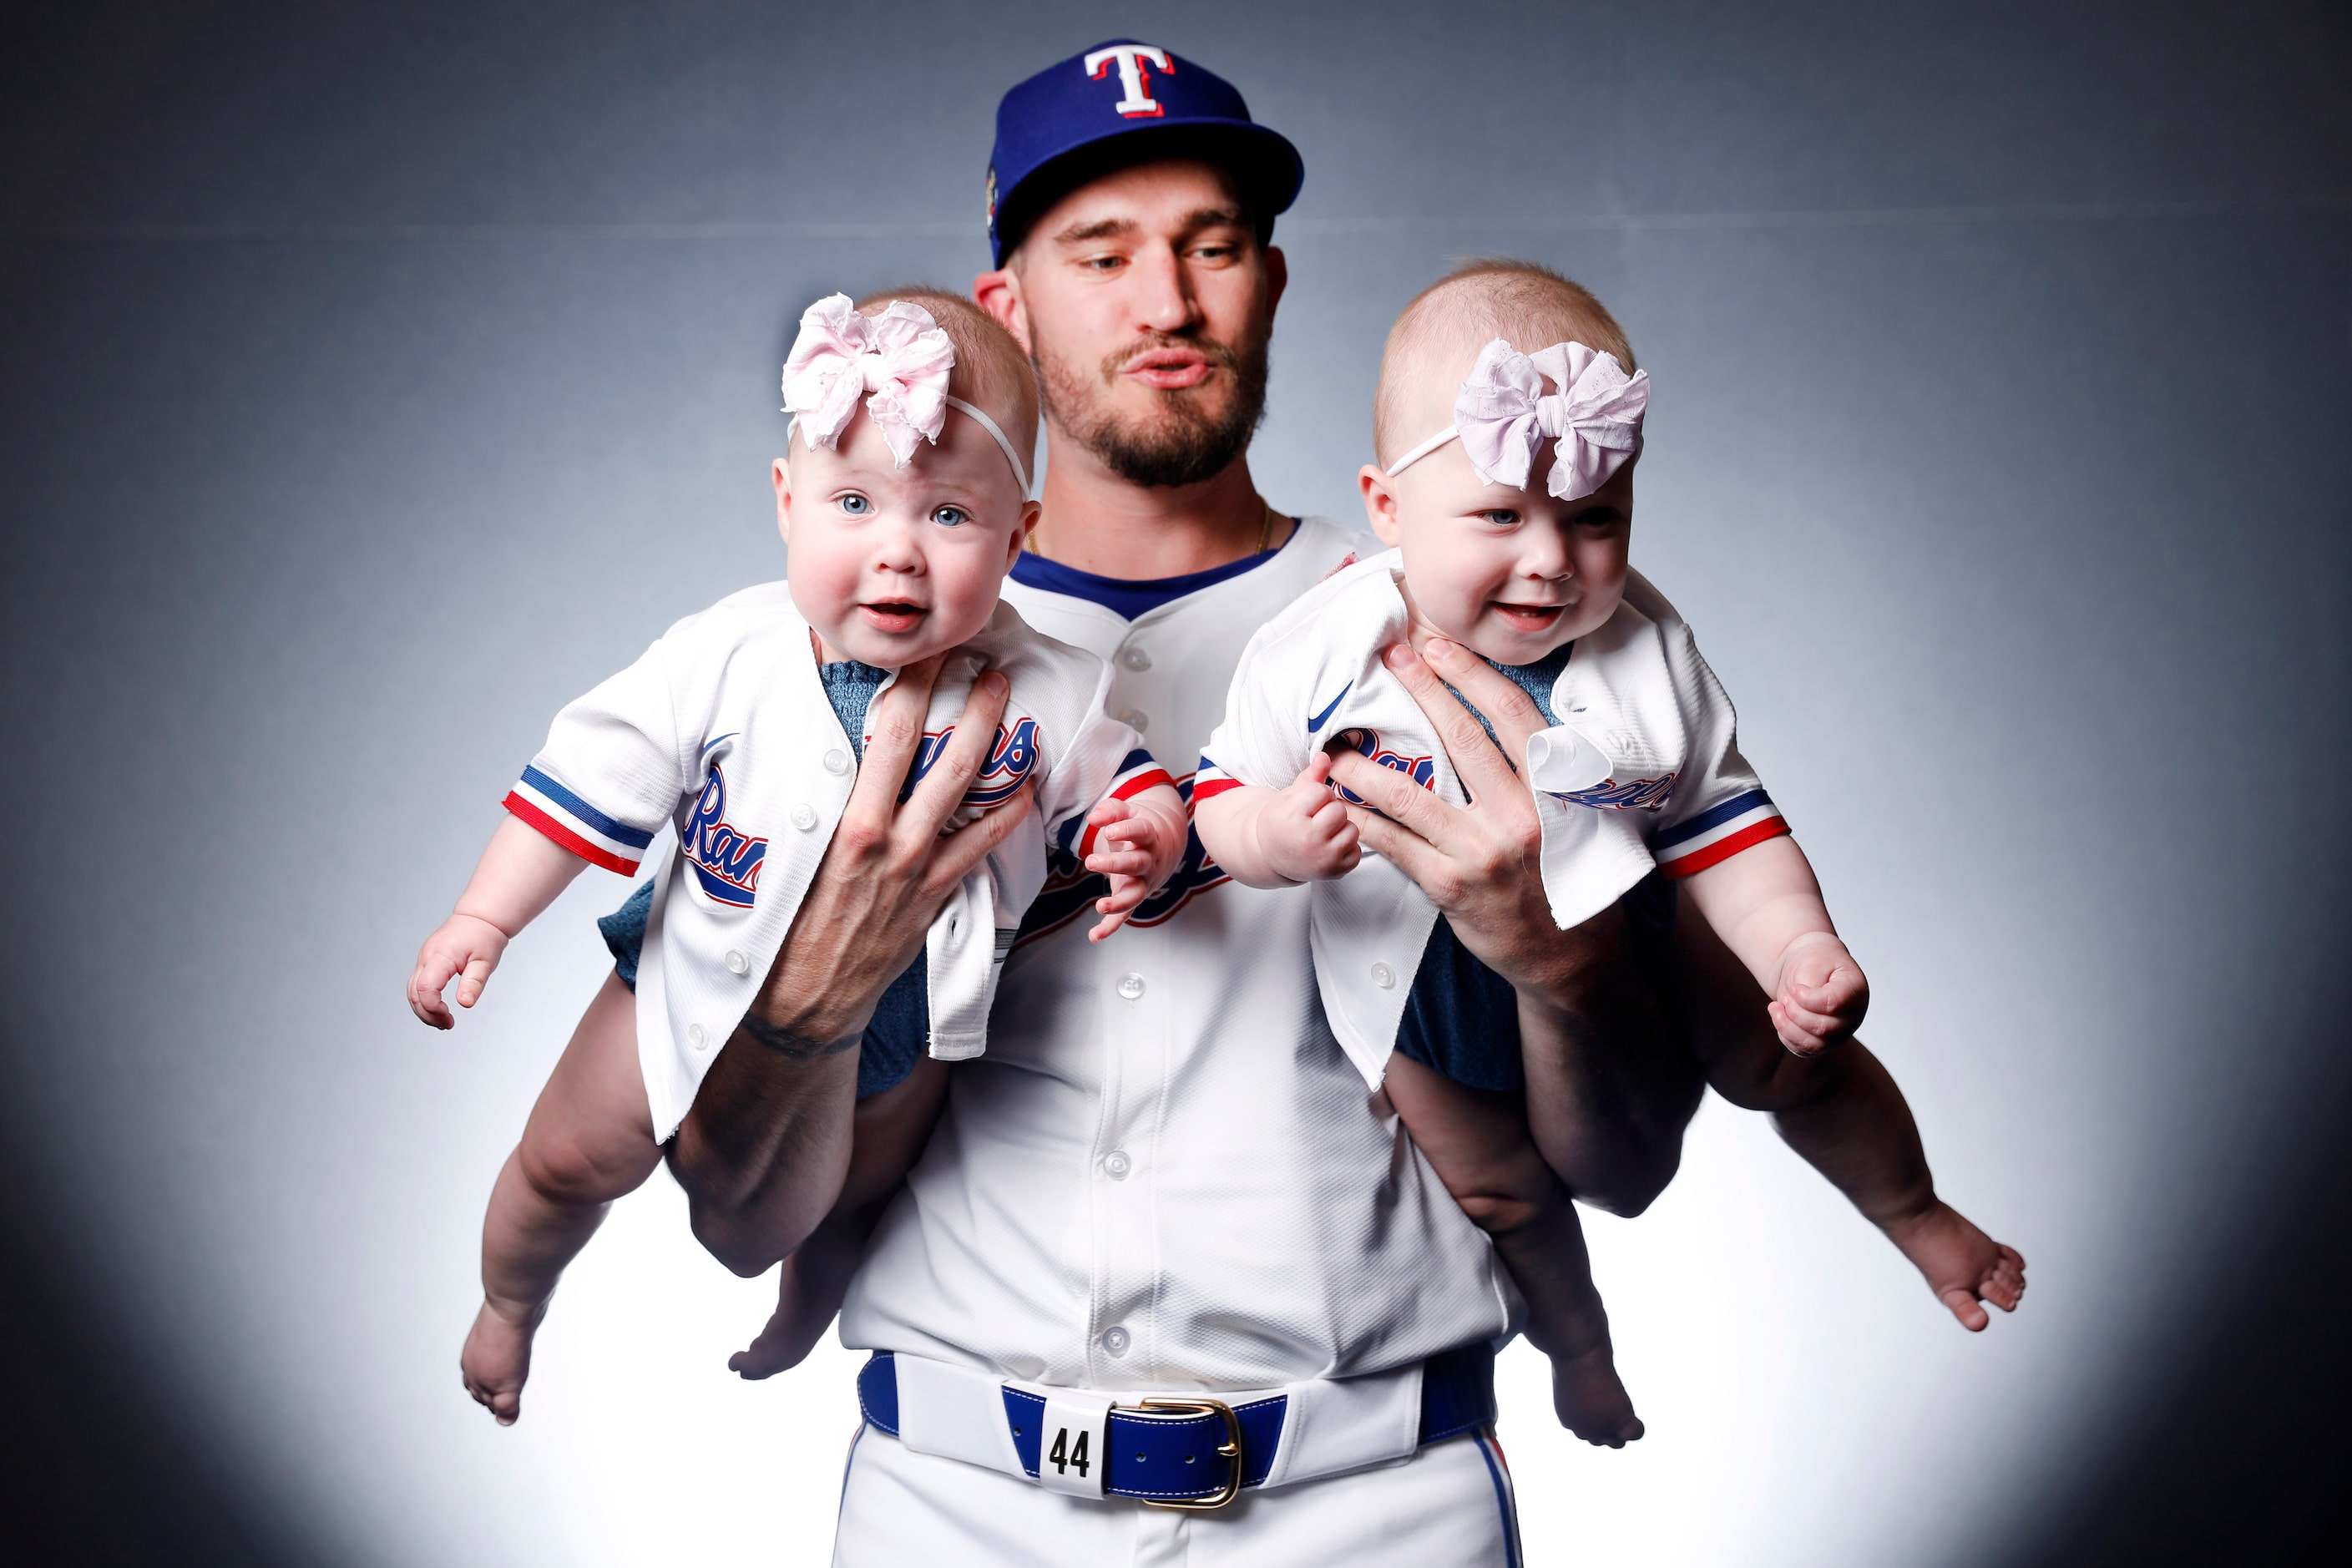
1135, 100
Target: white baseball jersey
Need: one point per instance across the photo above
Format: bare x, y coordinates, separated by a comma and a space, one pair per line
1164, 1174
722, 730
1643, 771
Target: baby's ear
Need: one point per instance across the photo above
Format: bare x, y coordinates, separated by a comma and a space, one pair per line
1029, 510
780, 471
1380, 501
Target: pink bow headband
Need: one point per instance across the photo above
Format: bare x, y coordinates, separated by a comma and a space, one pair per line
1503, 414
899, 359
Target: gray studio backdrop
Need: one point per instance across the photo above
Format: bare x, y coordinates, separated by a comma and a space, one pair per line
379, 377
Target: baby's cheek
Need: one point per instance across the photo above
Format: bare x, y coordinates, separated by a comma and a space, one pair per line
969, 578
824, 585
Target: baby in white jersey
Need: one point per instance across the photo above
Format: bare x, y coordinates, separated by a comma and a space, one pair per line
1508, 428
903, 502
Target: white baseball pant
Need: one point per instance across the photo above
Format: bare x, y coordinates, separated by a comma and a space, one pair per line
1448, 1506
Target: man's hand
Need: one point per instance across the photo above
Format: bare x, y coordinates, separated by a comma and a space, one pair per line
1480, 865
887, 871
1609, 1087
466, 948
1821, 997
763, 1152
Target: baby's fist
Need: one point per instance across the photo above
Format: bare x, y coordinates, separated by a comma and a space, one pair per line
466, 948
1304, 830
1821, 996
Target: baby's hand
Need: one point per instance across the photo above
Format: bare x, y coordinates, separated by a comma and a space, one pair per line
1130, 848
466, 947
1304, 831
1821, 996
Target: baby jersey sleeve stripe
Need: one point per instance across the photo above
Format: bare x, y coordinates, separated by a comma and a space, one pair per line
1718, 833
546, 805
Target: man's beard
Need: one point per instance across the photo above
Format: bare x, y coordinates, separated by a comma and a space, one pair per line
1184, 442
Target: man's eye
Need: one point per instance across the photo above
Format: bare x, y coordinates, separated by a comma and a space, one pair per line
855, 505
1102, 263
950, 516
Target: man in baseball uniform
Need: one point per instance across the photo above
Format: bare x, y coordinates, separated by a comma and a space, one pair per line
1169, 1285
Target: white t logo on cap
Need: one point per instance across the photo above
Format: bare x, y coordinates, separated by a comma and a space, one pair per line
1131, 57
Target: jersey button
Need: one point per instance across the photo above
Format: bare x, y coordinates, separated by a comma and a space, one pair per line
1383, 976
804, 816
1138, 723
1115, 1164
1130, 987
736, 963
837, 761
1136, 659
1115, 1340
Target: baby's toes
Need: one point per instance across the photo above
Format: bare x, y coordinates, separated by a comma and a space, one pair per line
1967, 1308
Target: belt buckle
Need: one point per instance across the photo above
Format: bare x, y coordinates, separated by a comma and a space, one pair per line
1231, 1448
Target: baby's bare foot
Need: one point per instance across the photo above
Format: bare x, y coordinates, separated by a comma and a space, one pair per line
784, 1343
807, 1298
1590, 1400
496, 1361
1963, 1266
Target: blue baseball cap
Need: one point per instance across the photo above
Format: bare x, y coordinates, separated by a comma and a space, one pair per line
1116, 105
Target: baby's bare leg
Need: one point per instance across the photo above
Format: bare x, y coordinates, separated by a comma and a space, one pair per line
1841, 1112
1478, 1144
887, 1134
590, 1139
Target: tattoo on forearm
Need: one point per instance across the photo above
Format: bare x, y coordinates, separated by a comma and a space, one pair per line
784, 1043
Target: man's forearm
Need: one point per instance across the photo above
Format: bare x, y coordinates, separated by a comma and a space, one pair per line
762, 1153
1611, 1085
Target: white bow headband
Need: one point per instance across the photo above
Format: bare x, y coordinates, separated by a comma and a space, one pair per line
901, 357
1503, 414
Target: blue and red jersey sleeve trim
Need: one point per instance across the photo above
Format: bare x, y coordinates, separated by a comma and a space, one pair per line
1718, 833
1139, 770
1212, 781
601, 840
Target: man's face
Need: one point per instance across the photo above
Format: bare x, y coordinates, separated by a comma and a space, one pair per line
1146, 301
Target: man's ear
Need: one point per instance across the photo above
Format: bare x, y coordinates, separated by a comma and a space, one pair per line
1277, 278
1380, 501
782, 472
999, 294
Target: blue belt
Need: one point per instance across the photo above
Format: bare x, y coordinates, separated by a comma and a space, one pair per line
1193, 1451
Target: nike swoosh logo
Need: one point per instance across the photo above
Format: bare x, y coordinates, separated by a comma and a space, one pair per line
1316, 724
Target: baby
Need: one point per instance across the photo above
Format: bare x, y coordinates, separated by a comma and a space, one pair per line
743, 729
1508, 425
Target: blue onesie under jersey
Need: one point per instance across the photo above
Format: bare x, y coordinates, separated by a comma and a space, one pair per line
901, 1027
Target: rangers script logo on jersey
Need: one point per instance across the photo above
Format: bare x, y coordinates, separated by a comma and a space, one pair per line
1634, 794
1421, 769
1010, 758
1071, 889
726, 859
